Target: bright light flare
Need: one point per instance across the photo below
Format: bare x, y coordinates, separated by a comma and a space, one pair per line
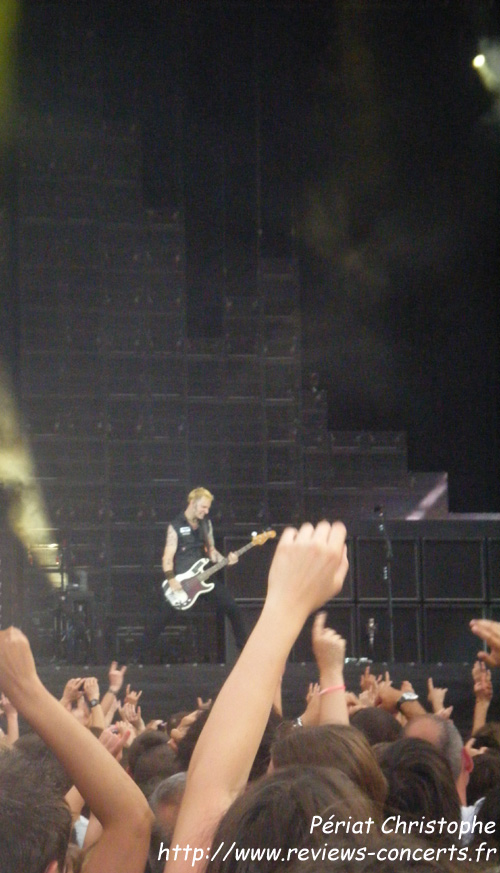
26, 509
487, 64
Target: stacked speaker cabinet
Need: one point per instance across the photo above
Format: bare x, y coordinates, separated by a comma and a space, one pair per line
442, 575
455, 591
127, 409
102, 372
373, 572
11, 581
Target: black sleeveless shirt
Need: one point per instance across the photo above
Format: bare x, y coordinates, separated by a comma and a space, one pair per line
191, 542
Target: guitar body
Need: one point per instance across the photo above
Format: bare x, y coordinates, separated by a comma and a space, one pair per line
194, 582
192, 586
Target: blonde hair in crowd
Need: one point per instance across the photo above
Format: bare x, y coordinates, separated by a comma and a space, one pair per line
199, 493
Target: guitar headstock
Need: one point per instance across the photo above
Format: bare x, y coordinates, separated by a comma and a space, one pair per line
260, 539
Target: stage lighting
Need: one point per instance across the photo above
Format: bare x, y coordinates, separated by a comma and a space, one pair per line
487, 64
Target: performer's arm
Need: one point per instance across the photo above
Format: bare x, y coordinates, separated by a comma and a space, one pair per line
215, 555
168, 558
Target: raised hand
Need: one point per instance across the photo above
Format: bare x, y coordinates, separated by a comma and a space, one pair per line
91, 688
483, 687
329, 651
445, 713
368, 684
309, 567
354, 703
132, 715
116, 676
310, 715
328, 646
10, 713
126, 731
114, 741
387, 696
470, 745
8, 708
132, 696
109, 792
489, 631
73, 690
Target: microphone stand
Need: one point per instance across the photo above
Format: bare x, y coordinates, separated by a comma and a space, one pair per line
387, 577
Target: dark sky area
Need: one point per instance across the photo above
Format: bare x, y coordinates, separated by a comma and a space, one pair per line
354, 135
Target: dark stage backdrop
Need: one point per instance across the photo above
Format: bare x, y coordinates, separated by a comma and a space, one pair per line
223, 213
355, 135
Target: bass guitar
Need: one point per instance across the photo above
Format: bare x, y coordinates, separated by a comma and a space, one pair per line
194, 581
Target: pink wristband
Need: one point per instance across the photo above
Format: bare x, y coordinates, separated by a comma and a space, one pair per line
332, 688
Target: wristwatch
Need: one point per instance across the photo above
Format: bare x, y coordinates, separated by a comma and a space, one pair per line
406, 697
94, 702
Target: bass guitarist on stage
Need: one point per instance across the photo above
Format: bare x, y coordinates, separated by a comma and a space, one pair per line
189, 538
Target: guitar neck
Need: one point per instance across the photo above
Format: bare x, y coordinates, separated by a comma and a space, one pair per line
244, 549
223, 563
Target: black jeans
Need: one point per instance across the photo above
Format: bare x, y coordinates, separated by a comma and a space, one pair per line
224, 603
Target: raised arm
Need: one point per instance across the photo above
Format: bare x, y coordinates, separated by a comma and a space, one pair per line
329, 651
110, 792
93, 698
308, 568
489, 632
393, 699
168, 559
12, 720
483, 694
436, 696
213, 554
170, 550
116, 676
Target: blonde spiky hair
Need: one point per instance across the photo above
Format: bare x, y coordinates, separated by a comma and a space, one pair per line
198, 494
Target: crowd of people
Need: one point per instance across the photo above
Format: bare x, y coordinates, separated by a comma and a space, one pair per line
363, 779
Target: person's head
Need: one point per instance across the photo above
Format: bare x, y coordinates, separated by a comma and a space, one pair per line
378, 725
35, 823
330, 745
420, 785
141, 745
489, 811
484, 776
157, 763
280, 809
42, 761
184, 737
442, 733
264, 752
157, 844
199, 502
488, 735
172, 721
165, 802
